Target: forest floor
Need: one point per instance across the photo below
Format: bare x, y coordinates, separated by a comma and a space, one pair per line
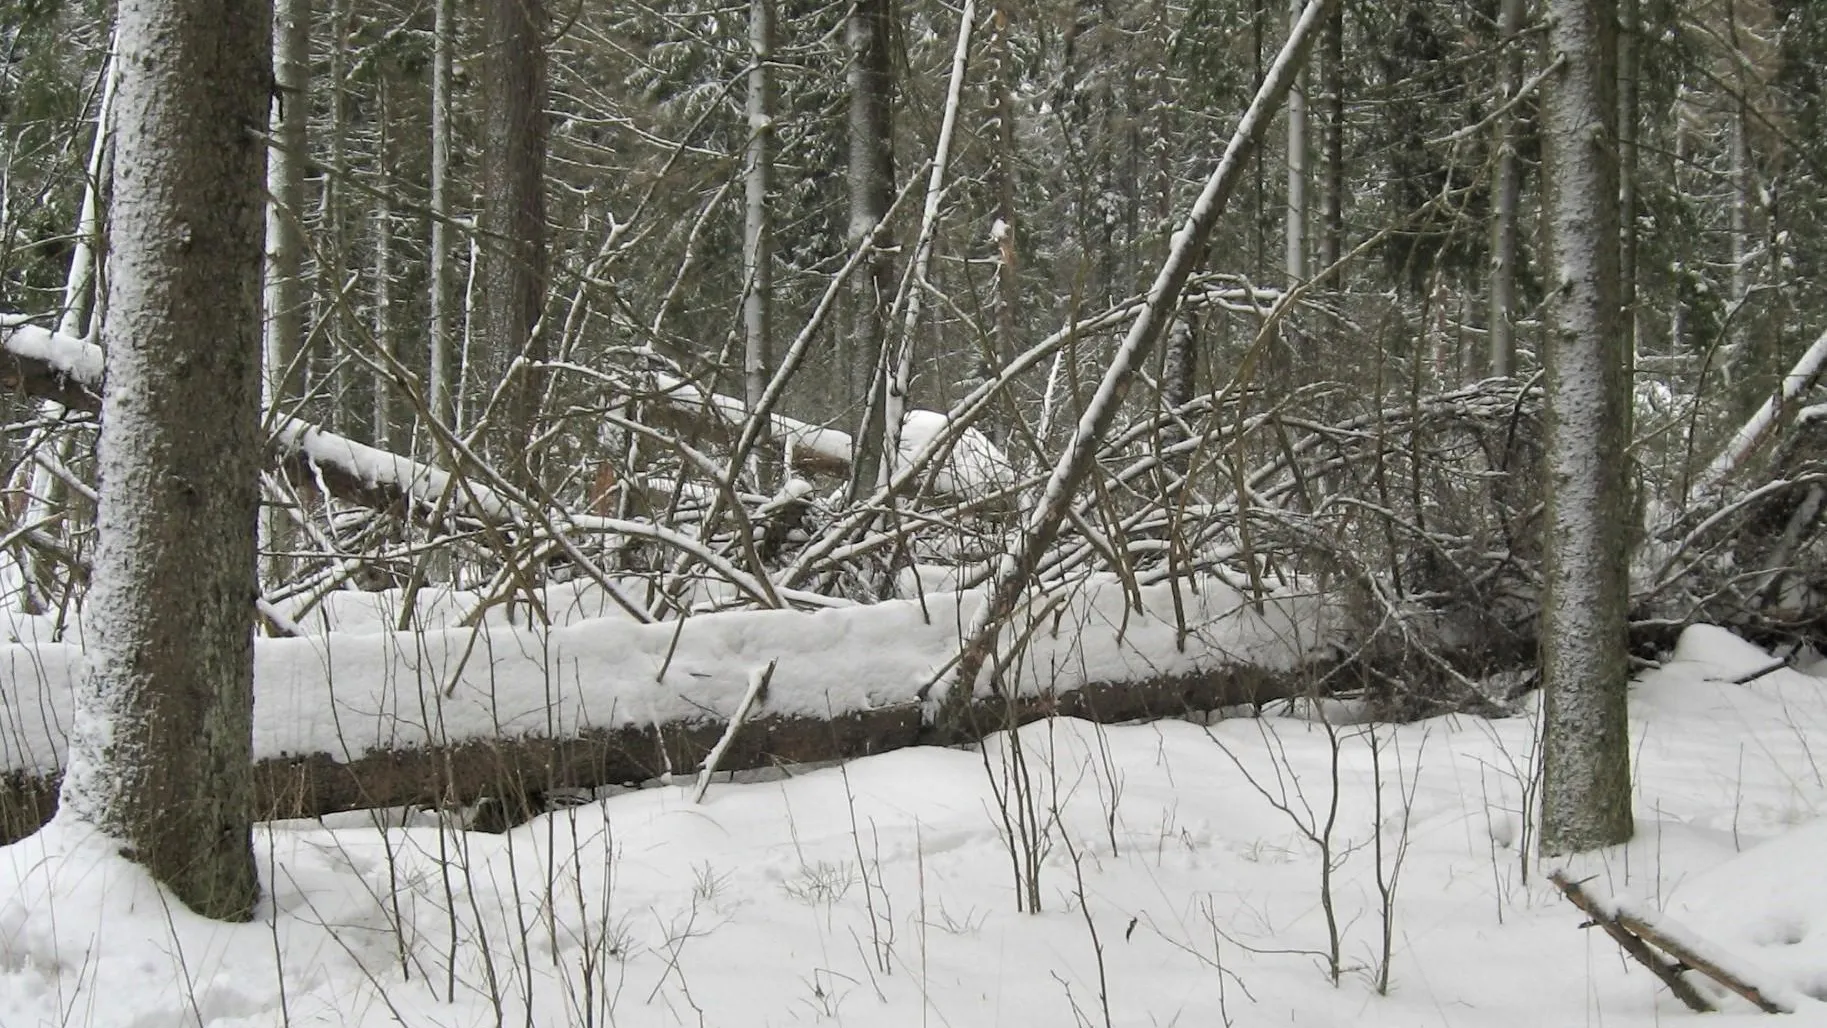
1181, 878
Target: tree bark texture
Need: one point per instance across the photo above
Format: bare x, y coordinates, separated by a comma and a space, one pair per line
514, 253
1585, 677
161, 752
757, 227
439, 388
870, 80
1507, 192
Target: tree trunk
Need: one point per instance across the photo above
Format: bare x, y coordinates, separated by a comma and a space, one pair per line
285, 288
514, 253
757, 227
1508, 190
1295, 260
438, 385
161, 750
871, 181
1629, 69
381, 317
900, 386
1585, 677
1332, 219
1003, 232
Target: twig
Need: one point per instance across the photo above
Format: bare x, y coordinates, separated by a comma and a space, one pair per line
758, 687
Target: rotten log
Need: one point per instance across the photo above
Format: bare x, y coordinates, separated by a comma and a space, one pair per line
518, 771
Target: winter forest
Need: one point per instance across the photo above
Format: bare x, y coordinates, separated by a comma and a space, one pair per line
912, 512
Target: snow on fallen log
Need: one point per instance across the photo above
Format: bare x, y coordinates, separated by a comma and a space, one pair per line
50, 365
344, 721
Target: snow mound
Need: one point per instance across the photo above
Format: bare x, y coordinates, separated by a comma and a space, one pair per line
975, 467
1769, 906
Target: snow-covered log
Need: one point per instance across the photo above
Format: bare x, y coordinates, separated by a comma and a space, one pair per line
356, 719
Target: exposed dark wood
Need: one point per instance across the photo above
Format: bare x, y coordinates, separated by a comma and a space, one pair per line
1631, 944
1655, 936
41, 380
515, 772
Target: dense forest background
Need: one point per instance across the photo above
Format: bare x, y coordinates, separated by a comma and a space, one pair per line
574, 253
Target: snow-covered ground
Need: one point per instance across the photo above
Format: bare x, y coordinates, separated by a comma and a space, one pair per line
882, 893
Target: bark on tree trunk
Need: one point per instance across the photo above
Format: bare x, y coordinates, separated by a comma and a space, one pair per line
1295, 259
871, 181
757, 229
1585, 677
161, 753
438, 385
1332, 219
1508, 189
514, 252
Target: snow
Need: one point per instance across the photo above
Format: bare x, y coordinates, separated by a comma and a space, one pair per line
79, 359
881, 892
976, 467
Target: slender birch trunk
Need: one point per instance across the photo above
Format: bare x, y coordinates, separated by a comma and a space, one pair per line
895, 412
1295, 259
757, 226
1586, 799
438, 385
284, 285
380, 317
78, 319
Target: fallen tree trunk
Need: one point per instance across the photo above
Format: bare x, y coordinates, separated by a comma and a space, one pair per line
516, 772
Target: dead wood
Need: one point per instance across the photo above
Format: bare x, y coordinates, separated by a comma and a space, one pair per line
517, 772
1639, 951
1638, 933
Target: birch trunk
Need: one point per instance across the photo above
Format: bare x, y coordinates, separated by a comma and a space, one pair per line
1295, 259
1585, 677
284, 285
757, 229
160, 756
79, 316
1041, 527
895, 411
438, 385
380, 317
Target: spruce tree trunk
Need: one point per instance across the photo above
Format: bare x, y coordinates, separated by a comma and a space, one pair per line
1585, 677
871, 180
160, 756
1508, 190
514, 251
